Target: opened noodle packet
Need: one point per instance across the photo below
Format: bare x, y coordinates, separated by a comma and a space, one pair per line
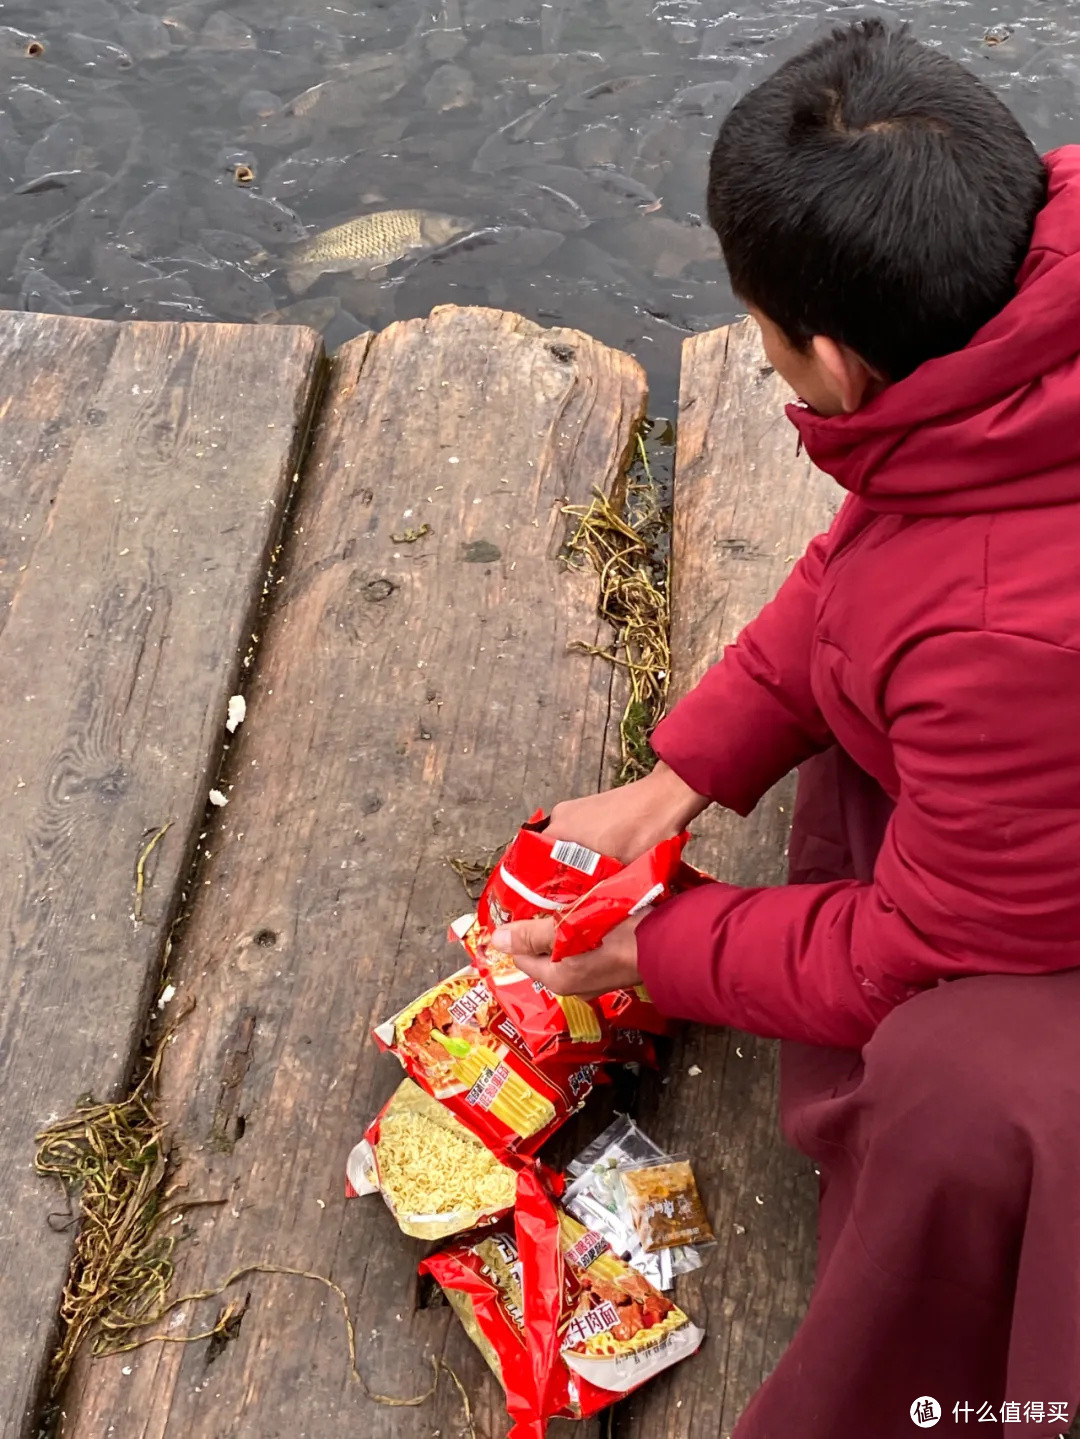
458, 1045
552, 1024
436, 1177
566, 1326
587, 894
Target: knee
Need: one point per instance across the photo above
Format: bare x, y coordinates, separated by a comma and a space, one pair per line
967, 1095
974, 1071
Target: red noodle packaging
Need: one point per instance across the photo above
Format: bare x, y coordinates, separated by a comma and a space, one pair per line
457, 1043
587, 894
496, 1063
566, 1326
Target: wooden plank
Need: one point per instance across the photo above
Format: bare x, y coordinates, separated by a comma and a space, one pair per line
412, 702
52, 366
146, 467
746, 505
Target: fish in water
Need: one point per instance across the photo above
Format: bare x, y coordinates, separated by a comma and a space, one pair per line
368, 244
316, 312
226, 32
90, 52
360, 87
145, 37
626, 188
450, 88
74, 181
19, 42
36, 107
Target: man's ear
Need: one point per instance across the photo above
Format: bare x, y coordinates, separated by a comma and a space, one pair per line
850, 378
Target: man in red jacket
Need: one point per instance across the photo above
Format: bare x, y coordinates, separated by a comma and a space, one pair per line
915, 271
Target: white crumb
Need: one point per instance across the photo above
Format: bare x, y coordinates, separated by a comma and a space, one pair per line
237, 713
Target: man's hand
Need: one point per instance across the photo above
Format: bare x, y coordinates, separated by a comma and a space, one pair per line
612, 966
628, 821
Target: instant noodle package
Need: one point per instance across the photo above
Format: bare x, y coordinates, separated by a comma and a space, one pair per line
567, 1327
495, 1063
587, 894
456, 1042
436, 1176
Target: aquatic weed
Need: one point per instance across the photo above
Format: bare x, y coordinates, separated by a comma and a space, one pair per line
112, 1163
622, 538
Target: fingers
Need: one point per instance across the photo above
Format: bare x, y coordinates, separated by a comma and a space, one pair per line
541, 968
566, 977
525, 937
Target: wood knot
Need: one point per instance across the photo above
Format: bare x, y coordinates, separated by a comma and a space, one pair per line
480, 552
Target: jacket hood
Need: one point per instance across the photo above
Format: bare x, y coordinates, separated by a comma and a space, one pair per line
995, 425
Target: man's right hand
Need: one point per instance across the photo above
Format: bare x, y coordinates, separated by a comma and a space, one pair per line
630, 820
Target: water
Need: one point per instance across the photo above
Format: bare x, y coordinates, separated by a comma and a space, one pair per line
155, 161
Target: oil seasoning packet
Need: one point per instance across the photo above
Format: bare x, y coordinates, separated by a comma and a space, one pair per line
662, 1200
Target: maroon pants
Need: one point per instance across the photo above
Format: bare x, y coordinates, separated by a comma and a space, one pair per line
949, 1154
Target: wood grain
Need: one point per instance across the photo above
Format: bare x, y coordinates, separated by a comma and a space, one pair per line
52, 367
145, 471
413, 701
746, 505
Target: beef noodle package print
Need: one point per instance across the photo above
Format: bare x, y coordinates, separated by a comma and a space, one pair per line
458, 1045
587, 894
566, 1326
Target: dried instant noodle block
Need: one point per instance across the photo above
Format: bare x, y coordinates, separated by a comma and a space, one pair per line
566, 1326
459, 1046
436, 1176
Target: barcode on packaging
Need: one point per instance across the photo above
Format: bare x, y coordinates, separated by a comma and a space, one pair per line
575, 856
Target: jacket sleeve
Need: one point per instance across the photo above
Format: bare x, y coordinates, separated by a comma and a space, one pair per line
977, 874
752, 717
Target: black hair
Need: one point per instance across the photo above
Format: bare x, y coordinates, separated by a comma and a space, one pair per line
874, 191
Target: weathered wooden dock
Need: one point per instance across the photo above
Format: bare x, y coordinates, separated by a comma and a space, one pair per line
410, 695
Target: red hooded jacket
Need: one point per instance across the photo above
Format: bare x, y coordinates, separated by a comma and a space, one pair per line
934, 634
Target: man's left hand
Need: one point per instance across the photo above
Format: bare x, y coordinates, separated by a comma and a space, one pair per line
614, 965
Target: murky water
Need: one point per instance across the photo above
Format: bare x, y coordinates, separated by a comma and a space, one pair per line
160, 161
